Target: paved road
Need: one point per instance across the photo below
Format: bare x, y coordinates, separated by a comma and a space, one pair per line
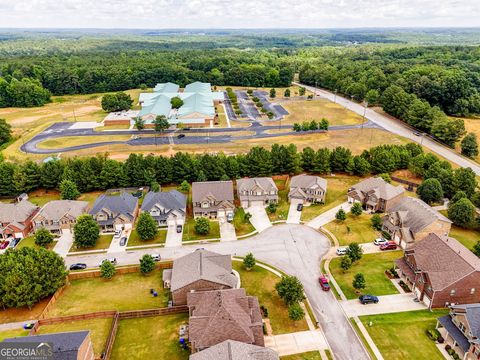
295, 249
397, 127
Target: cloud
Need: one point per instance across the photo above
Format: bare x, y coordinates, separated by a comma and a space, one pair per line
237, 14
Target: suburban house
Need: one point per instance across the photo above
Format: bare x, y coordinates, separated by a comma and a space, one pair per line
201, 270
307, 189
113, 212
120, 118
461, 330
213, 199
441, 271
219, 315
411, 219
259, 191
235, 350
375, 194
198, 108
59, 215
165, 207
16, 219
76, 345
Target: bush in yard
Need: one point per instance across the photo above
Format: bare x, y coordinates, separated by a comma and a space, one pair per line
358, 282
290, 289
286, 93
264, 311
272, 208
202, 226
249, 261
341, 215
295, 312
323, 124
301, 91
146, 227
273, 93
433, 334
356, 209
346, 263
297, 127
68, 190
86, 232
376, 221
386, 177
249, 91
107, 270
355, 252
462, 213
29, 275
246, 217
184, 186
43, 237
147, 264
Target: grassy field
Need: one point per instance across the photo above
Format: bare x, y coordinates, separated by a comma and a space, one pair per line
337, 187
91, 197
99, 329
68, 141
7, 334
24, 313
134, 239
242, 227
311, 355
355, 229
373, 267
260, 282
122, 292
190, 234
468, 237
102, 243
42, 196
402, 335
158, 338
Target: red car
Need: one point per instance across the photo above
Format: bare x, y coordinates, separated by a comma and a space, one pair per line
3, 245
391, 245
323, 281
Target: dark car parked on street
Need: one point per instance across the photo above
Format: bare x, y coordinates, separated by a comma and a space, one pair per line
123, 241
78, 266
368, 299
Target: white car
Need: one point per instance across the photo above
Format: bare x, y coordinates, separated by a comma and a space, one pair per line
112, 260
380, 241
156, 257
342, 251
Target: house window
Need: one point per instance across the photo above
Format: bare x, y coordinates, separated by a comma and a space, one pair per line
472, 291
452, 292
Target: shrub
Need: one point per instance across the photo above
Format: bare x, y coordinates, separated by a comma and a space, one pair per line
249, 261
295, 312
107, 270
386, 235
272, 208
433, 334
264, 311
202, 226
447, 347
147, 264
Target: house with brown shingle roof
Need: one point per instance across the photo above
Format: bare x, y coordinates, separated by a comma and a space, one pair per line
235, 350
441, 271
16, 219
59, 215
213, 199
412, 219
375, 194
307, 189
201, 270
219, 315
259, 191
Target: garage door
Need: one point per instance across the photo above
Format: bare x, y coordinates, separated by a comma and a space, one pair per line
257, 203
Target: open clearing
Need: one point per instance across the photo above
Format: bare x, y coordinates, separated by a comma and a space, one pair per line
102, 243
24, 313
134, 239
67, 141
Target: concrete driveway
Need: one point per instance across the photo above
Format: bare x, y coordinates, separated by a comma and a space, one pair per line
173, 237
259, 219
227, 230
296, 343
328, 215
293, 214
64, 243
115, 244
386, 304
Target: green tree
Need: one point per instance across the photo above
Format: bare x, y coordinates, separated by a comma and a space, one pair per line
86, 232
147, 227
458, 195
469, 145
341, 216
465, 180
290, 289
147, 264
355, 251
376, 221
117, 102
430, 191
323, 125
286, 93
476, 199
295, 312
346, 263
273, 93
202, 226
161, 123
301, 91
68, 190
297, 127
184, 186
462, 213
476, 249
176, 102
107, 270
249, 261
43, 237
5, 132
358, 282
139, 123
356, 209
372, 96
155, 186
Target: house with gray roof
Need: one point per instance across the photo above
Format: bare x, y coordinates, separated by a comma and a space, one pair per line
307, 189
235, 350
16, 219
461, 330
259, 191
115, 212
213, 199
375, 194
76, 345
165, 207
201, 270
411, 219
220, 315
58, 216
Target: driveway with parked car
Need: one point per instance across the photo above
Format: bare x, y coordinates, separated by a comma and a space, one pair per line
259, 219
295, 211
386, 304
227, 230
174, 233
119, 241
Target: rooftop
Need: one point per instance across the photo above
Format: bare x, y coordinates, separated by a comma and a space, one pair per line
378, 186
56, 209
235, 350
220, 190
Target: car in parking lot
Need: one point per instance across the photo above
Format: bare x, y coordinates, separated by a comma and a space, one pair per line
179, 228
112, 260
368, 299
299, 207
78, 266
4, 244
156, 257
323, 281
391, 245
380, 241
123, 241
342, 251
181, 136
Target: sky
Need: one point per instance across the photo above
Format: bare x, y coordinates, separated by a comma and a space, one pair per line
159, 14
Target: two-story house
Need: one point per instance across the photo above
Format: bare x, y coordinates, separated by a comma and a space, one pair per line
16, 219
165, 207
235, 350
115, 212
441, 271
307, 189
58, 216
461, 330
375, 194
259, 191
213, 199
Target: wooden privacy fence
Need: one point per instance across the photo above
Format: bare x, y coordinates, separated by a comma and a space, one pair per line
411, 185
111, 338
153, 312
119, 271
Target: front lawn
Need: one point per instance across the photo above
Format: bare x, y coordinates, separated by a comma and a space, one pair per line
134, 239
402, 335
102, 244
8, 334
311, 355
30, 242
282, 208
99, 330
355, 229
242, 227
122, 292
190, 234
150, 338
260, 282
468, 237
373, 267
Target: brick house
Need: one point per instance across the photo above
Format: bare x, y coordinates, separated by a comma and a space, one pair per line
441, 271
219, 315
375, 194
307, 189
16, 219
259, 191
201, 270
213, 199
235, 350
115, 212
58, 216
411, 219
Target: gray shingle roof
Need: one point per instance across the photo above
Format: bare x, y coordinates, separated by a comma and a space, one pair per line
454, 332
266, 183
472, 312
124, 204
220, 190
202, 265
171, 200
382, 189
308, 181
54, 210
17, 212
235, 350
